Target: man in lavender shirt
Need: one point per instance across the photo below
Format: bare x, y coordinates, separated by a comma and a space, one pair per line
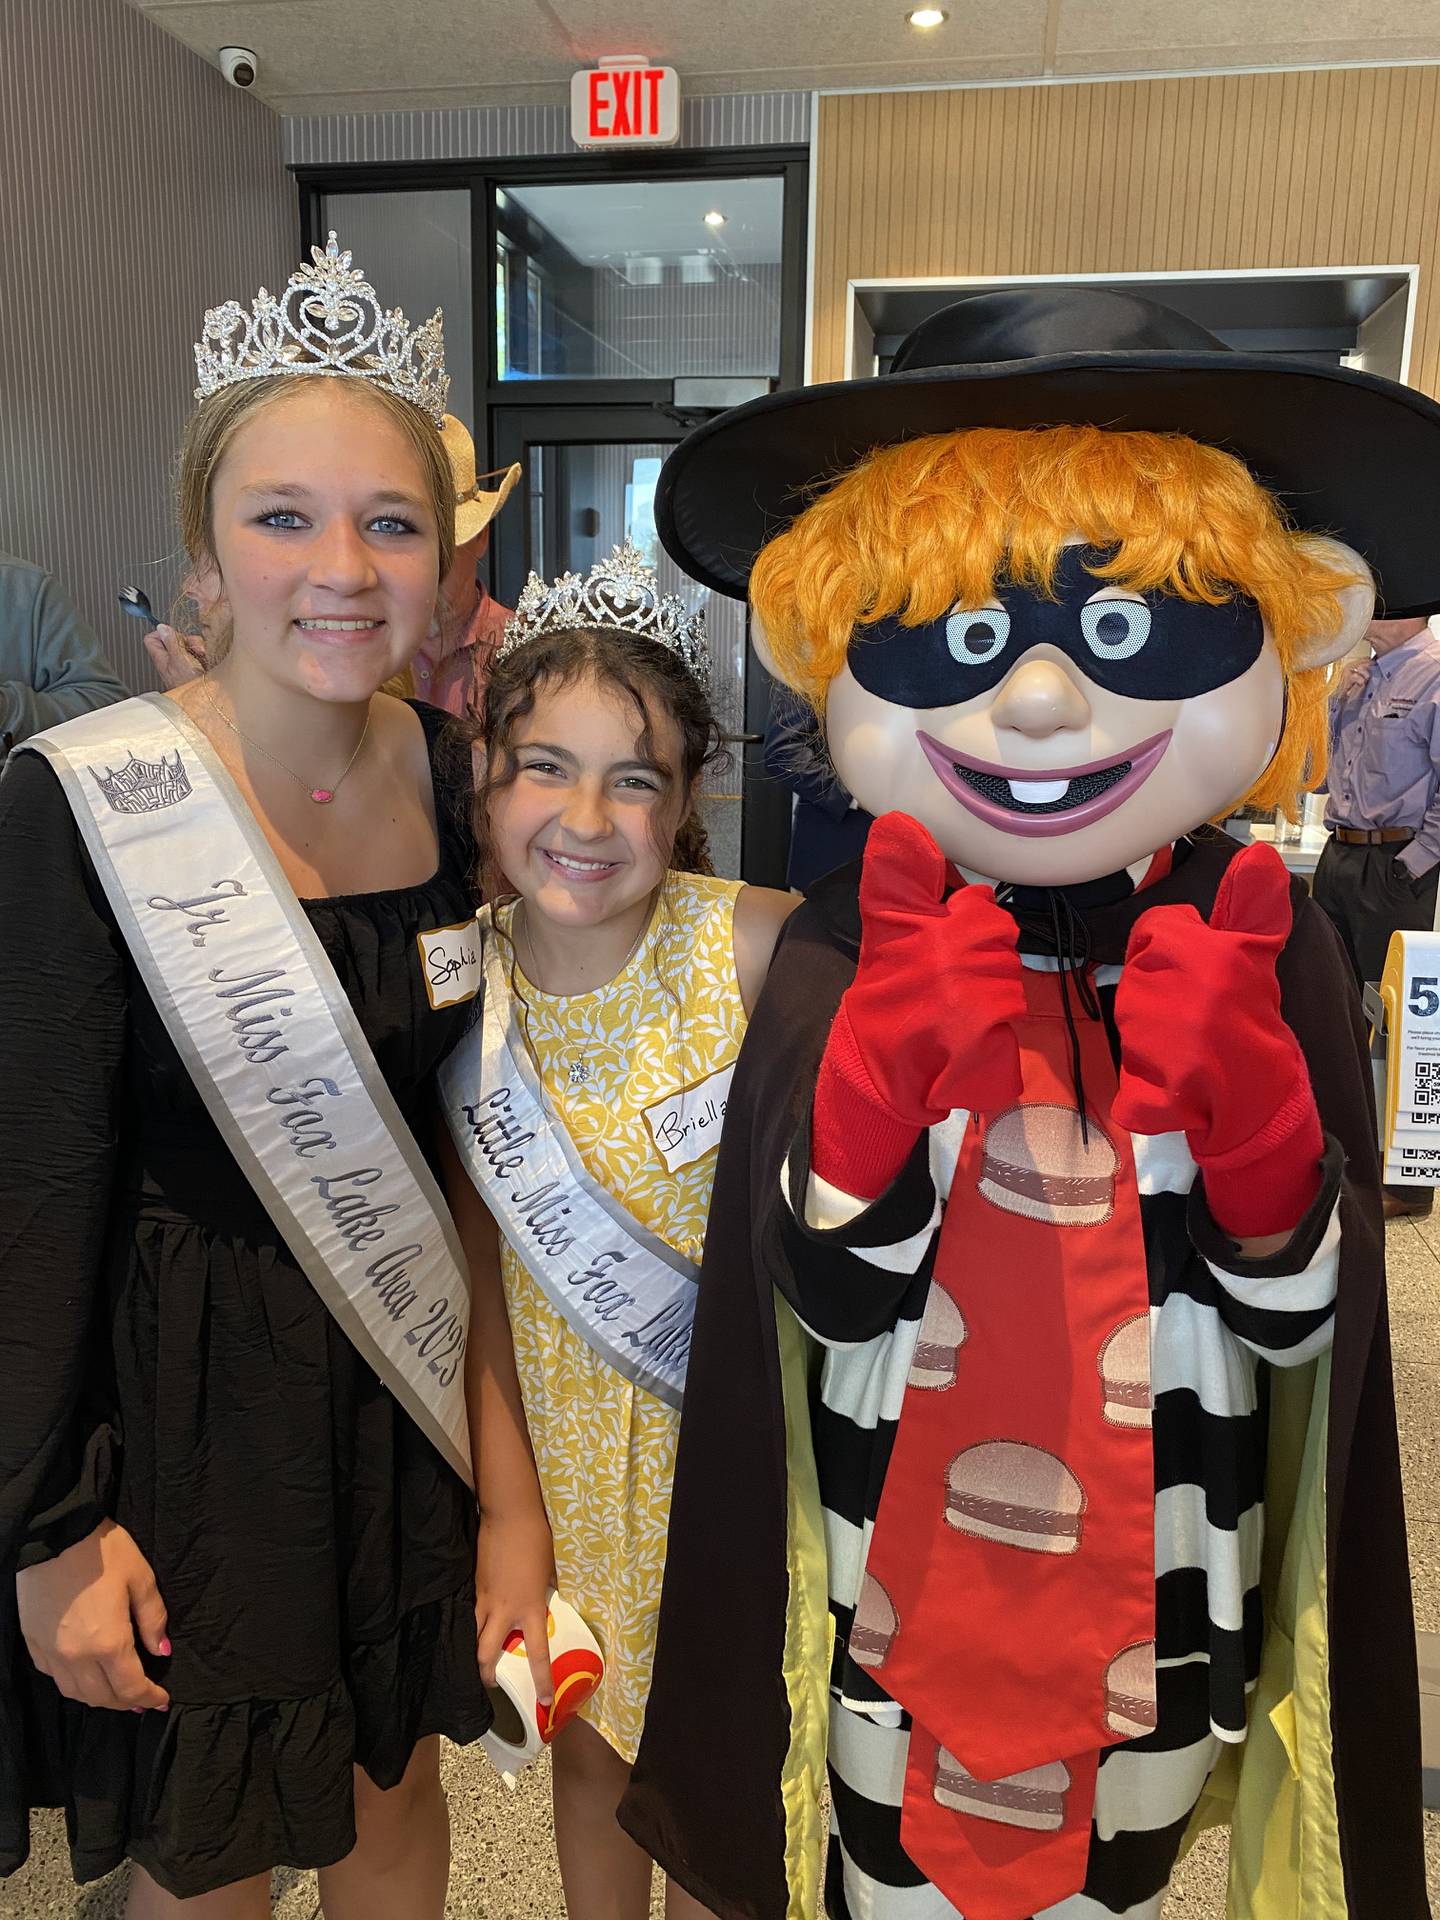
1381, 866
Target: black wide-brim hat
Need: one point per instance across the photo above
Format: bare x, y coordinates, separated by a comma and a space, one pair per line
1347, 453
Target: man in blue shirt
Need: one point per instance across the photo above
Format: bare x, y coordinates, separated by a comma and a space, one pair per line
1381, 866
51, 666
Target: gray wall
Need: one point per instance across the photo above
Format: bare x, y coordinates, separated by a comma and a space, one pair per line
138, 190
486, 133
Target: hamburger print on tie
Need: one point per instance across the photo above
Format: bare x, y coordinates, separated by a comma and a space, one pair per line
1130, 1707
1039, 1163
937, 1350
1020, 1495
875, 1625
1033, 1799
1125, 1373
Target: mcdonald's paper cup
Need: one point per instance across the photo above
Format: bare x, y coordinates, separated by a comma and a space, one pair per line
523, 1725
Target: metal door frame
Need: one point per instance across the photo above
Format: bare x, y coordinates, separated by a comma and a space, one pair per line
765, 806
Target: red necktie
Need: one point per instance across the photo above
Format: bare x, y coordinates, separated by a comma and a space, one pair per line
1010, 1585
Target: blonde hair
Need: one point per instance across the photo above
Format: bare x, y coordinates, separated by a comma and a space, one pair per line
214, 425
917, 529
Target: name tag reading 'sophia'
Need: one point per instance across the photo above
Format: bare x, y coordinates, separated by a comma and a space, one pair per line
450, 963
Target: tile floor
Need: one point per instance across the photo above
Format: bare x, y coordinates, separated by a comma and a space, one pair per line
504, 1857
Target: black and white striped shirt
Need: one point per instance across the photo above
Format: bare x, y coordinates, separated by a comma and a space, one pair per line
861, 1288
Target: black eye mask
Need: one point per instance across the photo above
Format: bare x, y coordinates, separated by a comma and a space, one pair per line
1160, 649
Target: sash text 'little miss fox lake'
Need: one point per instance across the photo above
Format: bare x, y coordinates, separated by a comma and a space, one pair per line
501, 1139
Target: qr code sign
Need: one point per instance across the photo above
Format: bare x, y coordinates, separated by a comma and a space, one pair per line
1427, 1083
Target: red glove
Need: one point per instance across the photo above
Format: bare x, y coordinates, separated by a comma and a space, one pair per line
926, 1025
1204, 1048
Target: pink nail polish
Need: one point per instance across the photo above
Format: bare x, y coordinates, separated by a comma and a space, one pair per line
137, 1709
165, 1649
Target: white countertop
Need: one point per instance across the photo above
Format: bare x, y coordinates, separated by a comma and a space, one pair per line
1300, 856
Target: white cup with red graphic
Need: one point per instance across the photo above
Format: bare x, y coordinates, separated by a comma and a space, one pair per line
524, 1726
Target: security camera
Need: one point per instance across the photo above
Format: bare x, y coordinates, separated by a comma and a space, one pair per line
239, 66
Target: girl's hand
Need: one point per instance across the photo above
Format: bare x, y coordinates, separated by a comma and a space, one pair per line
514, 1576
80, 1614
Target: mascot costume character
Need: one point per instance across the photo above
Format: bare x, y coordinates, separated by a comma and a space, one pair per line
1039, 1451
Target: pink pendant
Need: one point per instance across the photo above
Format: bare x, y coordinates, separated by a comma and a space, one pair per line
322, 796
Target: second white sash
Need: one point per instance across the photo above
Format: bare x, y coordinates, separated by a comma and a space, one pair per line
624, 1291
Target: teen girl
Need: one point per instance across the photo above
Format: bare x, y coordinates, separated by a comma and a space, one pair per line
241, 1540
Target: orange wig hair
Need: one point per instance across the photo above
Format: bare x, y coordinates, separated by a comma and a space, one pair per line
920, 528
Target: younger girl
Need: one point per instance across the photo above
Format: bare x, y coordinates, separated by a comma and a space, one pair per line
619, 977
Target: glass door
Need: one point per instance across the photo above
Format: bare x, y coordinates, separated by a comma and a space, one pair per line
589, 485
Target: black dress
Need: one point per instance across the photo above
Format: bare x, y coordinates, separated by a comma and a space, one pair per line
164, 1362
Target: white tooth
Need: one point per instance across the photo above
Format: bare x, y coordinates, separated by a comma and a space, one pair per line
1038, 793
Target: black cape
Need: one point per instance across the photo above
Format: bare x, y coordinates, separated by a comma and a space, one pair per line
705, 1795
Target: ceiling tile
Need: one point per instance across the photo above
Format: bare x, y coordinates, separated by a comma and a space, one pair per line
361, 55
1104, 36
348, 55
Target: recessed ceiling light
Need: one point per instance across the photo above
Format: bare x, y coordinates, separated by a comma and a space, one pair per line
714, 218
924, 17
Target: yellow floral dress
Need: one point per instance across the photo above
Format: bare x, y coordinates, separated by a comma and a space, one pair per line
606, 1449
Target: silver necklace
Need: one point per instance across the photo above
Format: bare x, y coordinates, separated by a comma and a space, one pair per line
322, 796
579, 1071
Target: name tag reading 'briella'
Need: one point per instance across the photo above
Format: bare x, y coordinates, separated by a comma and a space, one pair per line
686, 1125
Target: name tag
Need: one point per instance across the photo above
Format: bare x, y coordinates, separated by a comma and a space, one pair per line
686, 1125
450, 963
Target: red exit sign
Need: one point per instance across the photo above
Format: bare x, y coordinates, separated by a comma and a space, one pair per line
625, 102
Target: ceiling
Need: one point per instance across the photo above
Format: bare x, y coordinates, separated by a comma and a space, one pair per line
319, 56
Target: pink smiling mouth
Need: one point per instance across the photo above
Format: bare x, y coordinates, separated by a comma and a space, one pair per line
1090, 792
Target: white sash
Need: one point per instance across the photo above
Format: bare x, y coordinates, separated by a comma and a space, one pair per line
624, 1291
272, 1043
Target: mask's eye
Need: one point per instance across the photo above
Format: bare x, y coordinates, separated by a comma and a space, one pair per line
974, 638
1114, 629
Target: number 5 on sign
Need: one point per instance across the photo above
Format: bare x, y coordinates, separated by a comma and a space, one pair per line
1410, 1118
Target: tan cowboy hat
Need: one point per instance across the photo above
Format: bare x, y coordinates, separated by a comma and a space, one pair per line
474, 507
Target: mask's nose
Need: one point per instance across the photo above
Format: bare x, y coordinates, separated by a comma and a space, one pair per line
1040, 697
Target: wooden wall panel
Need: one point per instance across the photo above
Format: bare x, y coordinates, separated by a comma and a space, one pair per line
1333, 168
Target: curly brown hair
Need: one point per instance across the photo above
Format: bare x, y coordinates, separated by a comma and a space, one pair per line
653, 679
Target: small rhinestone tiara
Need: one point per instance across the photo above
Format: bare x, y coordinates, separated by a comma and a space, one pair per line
618, 595
327, 321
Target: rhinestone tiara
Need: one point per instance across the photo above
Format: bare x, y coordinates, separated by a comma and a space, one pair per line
618, 595
327, 321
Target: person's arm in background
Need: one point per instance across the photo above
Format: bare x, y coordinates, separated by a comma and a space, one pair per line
51, 666
177, 656
795, 757
1416, 860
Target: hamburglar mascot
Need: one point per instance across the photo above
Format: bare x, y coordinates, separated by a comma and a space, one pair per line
1042, 1327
